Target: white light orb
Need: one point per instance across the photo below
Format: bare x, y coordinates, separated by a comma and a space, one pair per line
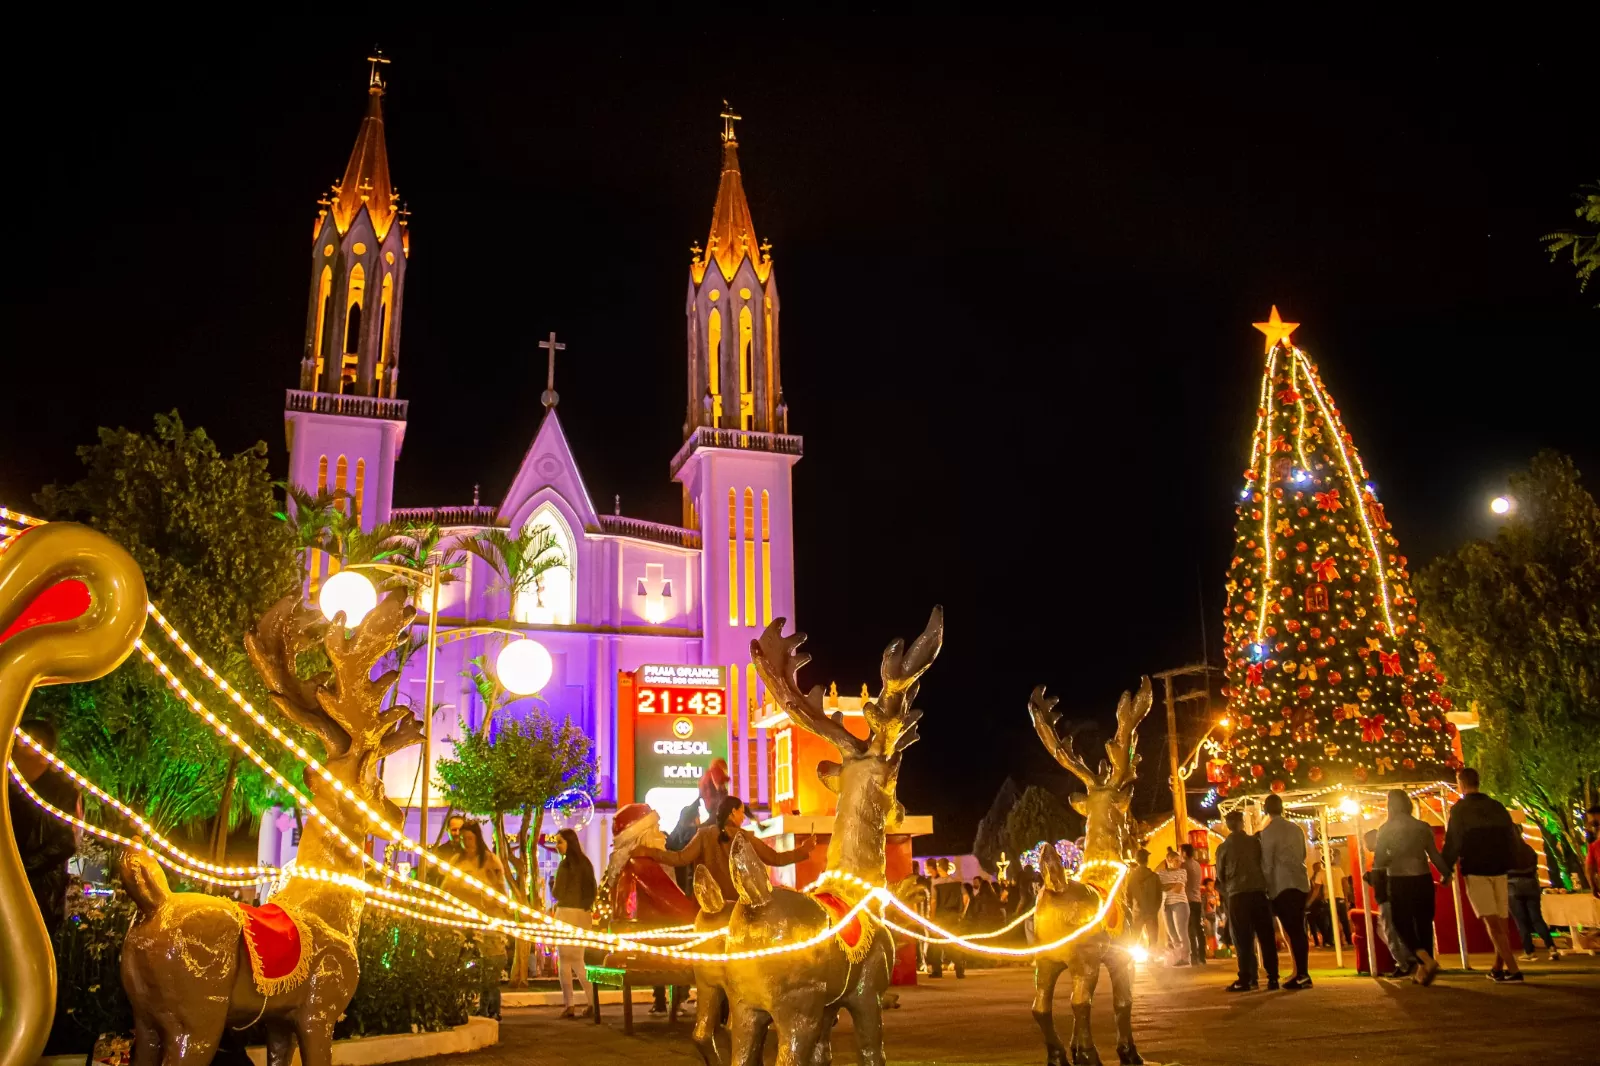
1350, 807
350, 593
524, 667
1139, 953
1500, 505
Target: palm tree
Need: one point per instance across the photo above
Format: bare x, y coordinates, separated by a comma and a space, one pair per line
520, 560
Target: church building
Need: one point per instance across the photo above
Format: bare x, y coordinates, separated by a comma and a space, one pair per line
647, 625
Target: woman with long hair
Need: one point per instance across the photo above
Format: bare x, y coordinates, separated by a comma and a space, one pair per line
486, 866
711, 845
573, 902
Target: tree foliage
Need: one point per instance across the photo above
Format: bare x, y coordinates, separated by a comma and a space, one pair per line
1585, 247
200, 525
1517, 621
1038, 815
990, 839
528, 763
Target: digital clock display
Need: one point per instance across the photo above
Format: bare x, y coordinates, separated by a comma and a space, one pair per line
659, 699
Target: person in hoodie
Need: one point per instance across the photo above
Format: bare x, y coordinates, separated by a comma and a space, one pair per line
1480, 838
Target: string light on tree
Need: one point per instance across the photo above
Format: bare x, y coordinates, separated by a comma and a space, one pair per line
1330, 679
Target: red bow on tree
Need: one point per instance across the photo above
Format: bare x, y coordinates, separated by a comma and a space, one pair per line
1328, 501
1288, 395
1372, 728
1253, 674
1391, 663
1324, 568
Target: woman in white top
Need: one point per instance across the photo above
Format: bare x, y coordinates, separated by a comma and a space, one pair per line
1175, 906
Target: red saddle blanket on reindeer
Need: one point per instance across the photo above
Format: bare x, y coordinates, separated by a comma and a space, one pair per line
278, 947
851, 933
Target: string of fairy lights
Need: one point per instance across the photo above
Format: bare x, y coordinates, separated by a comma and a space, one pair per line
445, 908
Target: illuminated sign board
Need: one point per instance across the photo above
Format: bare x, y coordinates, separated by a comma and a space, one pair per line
680, 726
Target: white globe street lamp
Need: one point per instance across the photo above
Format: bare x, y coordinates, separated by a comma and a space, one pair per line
347, 593
524, 667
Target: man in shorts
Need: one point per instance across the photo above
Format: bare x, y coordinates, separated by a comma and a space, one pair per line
1480, 836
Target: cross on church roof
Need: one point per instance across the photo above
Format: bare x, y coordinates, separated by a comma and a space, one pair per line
377, 58
550, 398
728, 119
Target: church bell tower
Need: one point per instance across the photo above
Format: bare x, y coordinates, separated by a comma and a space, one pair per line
737, 453
345, 423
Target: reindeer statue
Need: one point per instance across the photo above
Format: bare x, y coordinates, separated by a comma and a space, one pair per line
1064, 906
193, 963
72, 603
801, 992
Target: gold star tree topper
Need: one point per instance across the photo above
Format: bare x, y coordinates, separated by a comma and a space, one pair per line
1276, 329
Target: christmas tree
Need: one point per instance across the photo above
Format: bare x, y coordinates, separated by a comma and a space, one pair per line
1330, 681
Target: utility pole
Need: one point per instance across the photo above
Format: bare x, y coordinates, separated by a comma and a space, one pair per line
1180, 805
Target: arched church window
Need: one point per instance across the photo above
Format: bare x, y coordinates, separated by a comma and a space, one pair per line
549, 597
747, 396
324, 306
714, 364
749, 557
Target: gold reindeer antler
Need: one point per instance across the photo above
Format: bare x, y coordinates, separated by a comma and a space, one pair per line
1042, 709
778, 660
1130, 712
891, 717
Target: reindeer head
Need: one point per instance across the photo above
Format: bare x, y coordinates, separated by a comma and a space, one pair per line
868, 770
343, 707
1109, 831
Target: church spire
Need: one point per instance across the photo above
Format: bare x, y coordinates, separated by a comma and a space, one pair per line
733, 231
733, 372
358, 264
366, 176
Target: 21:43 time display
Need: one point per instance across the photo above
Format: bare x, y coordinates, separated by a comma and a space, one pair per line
679, 701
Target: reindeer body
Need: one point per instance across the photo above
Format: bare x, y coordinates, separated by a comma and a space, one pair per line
184, 963
1065, 906
800, 993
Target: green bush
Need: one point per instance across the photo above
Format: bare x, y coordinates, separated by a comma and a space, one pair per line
416, 977
89, 996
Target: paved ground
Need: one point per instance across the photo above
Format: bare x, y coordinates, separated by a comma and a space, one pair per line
1180, 1016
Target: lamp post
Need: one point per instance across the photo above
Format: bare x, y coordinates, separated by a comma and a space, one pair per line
1352, 808
523, 666
1180, 806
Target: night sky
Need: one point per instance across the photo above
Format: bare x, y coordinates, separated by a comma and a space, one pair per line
1018, 263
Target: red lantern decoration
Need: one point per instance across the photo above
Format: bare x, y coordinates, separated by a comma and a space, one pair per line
1317, 598
1216, 771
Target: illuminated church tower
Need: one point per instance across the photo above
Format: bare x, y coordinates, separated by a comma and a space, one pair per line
736, 458
345, 424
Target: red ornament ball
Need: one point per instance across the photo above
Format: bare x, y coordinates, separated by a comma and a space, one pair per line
1278, 785
1304, 692
1257, 770
1398, 736
1315, 774
1360, 774
1409, 764
1290, 763
1334, 677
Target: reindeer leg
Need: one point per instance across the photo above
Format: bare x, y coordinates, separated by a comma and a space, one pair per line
709, 1000
1085, 969
280, 1043
1120, 963
1045, 974
146, 1041
316, 1038
867, 1016
748, 1028
822, 1053
798, 1033
195, 1043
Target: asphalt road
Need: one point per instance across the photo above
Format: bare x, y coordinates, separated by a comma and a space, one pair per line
1181, 1016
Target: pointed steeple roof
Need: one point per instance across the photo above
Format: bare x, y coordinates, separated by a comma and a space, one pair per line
733, 231
366, 176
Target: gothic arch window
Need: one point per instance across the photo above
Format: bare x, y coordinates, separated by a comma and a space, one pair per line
749, 557
385, 314
733, 558
324, 305
360, 490
714, 364
766, 558
747, 395
552, 598
355, 298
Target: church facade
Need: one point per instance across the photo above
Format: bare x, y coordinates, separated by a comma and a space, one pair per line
644, 618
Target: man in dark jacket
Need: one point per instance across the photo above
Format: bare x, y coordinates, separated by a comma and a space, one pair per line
1243, 884
1480, 836
1144, 889
44, 841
